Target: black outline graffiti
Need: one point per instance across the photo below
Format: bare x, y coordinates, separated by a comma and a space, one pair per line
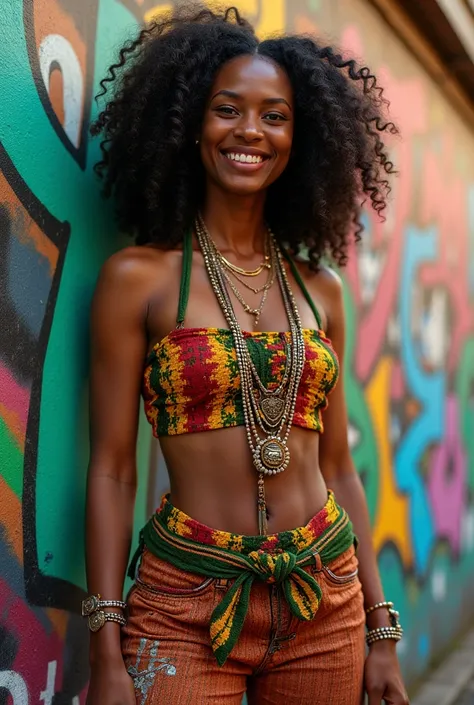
79, 153
41, 590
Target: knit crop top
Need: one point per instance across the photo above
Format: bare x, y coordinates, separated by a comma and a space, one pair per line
192, 382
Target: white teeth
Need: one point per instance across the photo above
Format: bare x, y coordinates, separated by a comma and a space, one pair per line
246, 158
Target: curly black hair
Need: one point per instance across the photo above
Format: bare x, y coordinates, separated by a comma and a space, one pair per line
150, 163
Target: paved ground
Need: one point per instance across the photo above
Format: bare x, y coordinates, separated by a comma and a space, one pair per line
453, 682
467, 697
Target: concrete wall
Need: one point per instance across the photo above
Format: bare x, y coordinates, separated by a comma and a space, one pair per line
410, 301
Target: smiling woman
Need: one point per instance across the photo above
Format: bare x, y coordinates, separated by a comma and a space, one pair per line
252, 103
226, 157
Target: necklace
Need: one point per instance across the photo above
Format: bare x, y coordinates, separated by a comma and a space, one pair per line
266, 413
256, 312
246, 272
255, 289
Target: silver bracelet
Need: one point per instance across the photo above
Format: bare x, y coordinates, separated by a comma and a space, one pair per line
97, 619
93, 603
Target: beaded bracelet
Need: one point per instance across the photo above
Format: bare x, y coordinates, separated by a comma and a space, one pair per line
94, 602
392, 613
388, 605
393, 633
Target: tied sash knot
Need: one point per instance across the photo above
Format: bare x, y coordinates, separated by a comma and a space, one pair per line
165, 536
300, 589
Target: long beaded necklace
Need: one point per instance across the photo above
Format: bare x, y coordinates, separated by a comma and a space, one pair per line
267, 412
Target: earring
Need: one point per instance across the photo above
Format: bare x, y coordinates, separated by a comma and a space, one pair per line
197, 141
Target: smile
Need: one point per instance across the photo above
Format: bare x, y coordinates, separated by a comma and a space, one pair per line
244, 158
245, 162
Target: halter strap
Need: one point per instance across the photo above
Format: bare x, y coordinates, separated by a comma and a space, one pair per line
301, 284
185, 278
186, 281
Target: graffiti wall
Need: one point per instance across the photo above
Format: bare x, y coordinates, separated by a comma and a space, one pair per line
410, 311
410, 305
55, 232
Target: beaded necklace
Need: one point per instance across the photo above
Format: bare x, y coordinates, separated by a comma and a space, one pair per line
266, 412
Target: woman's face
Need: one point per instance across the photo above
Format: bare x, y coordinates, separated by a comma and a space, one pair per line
247, 130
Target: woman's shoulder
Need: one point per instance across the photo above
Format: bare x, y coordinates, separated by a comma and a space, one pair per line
324, 281
140, 269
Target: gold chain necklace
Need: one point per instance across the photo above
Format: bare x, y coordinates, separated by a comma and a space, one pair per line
256, 312
270, 453
246, 272
255, 289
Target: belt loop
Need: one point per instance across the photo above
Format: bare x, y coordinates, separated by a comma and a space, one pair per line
317, 561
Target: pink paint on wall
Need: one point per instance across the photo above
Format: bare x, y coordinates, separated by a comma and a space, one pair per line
16, 399
447, 480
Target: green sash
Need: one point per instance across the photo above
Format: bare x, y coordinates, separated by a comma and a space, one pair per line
283, 568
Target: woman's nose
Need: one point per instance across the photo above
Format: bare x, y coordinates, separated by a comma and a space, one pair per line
249, 129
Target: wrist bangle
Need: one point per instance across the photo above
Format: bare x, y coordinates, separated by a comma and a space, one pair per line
393, 633
393, 615
97, 619
379, 605
92, 603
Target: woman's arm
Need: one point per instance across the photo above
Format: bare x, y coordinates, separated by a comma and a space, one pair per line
118, 349
341, 476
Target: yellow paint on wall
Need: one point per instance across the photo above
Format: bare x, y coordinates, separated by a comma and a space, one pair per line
271, 13
391, 519
158, 11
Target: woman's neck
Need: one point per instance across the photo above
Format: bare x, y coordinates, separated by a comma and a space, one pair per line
236, 223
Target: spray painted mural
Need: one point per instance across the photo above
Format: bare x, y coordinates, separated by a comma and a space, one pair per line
54, 234
410, 303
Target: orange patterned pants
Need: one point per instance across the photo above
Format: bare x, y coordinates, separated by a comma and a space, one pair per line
278, 659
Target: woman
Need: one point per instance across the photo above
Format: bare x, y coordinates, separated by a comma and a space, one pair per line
227, 158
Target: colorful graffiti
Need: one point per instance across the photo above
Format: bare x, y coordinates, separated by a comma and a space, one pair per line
410, 313
411, 366
55, 233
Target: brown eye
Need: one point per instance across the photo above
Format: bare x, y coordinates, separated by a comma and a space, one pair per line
226, 110
275, 117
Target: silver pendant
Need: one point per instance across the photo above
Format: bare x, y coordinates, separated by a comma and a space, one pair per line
272, 408
271, 456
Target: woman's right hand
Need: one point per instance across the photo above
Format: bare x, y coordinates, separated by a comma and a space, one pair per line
110, 685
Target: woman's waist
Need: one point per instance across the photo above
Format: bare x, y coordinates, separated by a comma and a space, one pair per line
231, 507
217, 484
172, 526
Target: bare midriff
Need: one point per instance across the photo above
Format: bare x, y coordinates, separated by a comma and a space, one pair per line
213, 480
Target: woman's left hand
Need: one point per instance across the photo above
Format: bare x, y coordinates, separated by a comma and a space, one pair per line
382, 677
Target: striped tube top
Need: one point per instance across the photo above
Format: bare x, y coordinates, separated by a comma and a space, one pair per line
192, 383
